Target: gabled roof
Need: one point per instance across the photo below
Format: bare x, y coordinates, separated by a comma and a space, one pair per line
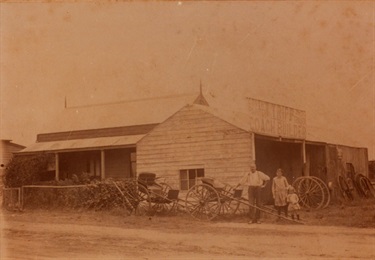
235, 118
122, 117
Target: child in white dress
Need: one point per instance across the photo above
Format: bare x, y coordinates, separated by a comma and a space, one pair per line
293, 206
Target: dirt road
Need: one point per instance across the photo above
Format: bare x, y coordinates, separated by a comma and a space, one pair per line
39, 235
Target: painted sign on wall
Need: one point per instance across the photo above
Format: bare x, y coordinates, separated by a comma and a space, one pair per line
276, 120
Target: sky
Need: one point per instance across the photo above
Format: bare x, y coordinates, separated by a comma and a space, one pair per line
314, 56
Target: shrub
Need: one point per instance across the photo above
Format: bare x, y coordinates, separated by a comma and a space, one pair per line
25, 170
98, 195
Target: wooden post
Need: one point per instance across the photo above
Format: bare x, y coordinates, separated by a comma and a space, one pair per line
304, 151
253, 146
327, 163
22, 194
57, 172
306, 166
102, 164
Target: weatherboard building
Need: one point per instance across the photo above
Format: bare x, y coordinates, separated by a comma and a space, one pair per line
183, 138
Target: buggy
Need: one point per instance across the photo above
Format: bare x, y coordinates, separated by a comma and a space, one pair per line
156, 197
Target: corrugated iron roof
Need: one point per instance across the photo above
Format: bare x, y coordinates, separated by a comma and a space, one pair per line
96, 133
84, 144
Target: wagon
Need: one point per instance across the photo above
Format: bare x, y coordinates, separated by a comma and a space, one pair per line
155, 197
211, 198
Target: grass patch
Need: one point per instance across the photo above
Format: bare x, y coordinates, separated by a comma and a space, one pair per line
359, 213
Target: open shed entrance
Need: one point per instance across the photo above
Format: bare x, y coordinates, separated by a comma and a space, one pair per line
273, 153
316, 161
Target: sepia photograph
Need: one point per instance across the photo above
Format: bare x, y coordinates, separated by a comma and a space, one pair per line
187, 129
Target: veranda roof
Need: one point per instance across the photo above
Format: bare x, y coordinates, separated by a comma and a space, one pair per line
84, 144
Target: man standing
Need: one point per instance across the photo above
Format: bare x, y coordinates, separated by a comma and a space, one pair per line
255, 180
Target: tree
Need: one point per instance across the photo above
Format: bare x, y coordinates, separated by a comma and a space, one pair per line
25, 170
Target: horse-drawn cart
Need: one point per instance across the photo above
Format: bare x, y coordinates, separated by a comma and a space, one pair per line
206, 200
146, 196
155, 197
211, 198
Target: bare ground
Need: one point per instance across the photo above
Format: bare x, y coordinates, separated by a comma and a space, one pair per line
41, 234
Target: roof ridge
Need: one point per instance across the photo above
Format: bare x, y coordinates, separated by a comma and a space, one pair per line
129, 101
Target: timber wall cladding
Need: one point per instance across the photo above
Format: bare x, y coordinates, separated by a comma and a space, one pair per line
193, 138
6, 152
355, 156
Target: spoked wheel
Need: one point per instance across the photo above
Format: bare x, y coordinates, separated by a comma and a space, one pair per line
357, 182
327, 195
297, 181
203, 202
310, 192
365, 186
344, 187
143, 205
159, 201
229, 201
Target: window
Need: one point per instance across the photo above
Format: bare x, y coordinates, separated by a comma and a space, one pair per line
188, 177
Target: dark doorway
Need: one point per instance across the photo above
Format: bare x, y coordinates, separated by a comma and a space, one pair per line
271, 154
316, 161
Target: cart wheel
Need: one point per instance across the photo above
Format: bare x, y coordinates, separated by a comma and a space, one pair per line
365, 186
229, 200
202, 202
357, 182
310, 193
346, 192
370, 187
327, 194
159, 204
297, 181
143, 206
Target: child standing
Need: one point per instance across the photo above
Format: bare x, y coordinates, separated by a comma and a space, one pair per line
293, 199
279, 191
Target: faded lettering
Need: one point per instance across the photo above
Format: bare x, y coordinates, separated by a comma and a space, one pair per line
276, 120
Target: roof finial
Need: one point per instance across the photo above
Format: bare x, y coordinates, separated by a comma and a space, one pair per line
200, 100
